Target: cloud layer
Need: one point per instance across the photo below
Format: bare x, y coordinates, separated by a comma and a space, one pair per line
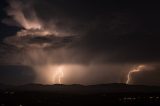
109, 37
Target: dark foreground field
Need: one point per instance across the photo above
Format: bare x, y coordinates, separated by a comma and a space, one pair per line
51, 95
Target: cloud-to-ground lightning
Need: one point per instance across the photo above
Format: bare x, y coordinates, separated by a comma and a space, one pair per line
59, 75
136, 69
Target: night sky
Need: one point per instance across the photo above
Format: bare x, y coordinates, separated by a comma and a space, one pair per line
108, 40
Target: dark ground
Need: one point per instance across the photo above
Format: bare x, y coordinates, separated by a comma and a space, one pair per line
50, 95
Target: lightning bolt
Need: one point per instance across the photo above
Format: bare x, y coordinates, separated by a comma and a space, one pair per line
59, 75
136, 69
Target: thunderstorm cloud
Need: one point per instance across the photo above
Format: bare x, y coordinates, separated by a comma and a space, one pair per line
106, 39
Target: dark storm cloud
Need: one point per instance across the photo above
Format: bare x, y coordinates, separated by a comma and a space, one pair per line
14, 74
8, 54
111, 31
148, 76
39, 41
108, 33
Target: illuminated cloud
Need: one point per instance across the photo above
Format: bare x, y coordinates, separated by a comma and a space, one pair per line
39, 41
107, 41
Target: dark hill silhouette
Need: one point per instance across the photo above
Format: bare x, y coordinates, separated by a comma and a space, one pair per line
76, 88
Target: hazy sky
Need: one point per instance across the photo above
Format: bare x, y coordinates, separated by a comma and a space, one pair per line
108, 39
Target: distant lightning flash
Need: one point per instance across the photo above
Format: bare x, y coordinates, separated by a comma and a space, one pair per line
137, 69
59, 75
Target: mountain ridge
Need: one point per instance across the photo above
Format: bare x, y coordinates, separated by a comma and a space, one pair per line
77, 88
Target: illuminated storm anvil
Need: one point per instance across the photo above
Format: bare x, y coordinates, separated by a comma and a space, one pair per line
39, 39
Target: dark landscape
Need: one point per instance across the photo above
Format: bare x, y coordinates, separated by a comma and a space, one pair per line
104, 94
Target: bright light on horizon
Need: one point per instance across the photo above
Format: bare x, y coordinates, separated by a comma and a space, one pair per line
59, 74
136, 69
